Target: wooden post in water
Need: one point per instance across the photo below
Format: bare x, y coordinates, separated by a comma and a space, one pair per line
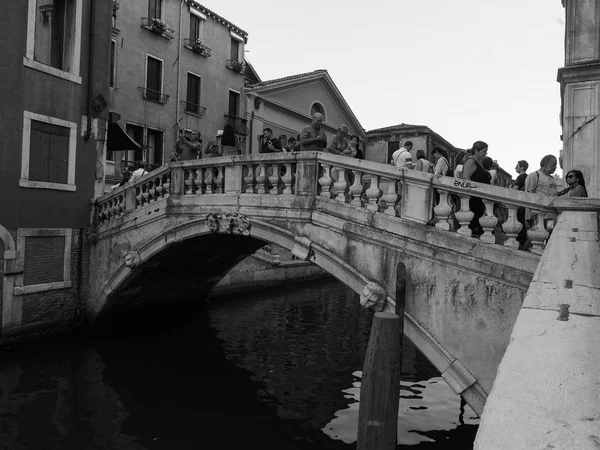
380, 385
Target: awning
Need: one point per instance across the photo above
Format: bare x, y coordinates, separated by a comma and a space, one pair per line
119, 140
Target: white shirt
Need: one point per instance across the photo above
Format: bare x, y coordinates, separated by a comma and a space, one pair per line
402, 158
137, 174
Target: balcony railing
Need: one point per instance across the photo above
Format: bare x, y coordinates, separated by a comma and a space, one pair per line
236, 66
157, 26
238, 124
193, 108
197, 46
155, 96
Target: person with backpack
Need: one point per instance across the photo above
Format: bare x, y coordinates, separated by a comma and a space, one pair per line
402, 158
541, 181
442, 166
474, 171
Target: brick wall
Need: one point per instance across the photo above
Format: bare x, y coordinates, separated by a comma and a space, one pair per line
44, 259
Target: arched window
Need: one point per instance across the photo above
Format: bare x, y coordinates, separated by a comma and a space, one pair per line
316, 107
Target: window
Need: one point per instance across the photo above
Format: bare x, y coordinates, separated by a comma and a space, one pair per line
153, 78
317, 107
194, 27
48, 152
54, 37
154, 9
113, 62
154, 152
234, 101
43, 260
193, 93
235, 50
136, 133
115, 7
392, 147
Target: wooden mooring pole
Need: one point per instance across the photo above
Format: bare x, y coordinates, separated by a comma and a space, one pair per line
380, 385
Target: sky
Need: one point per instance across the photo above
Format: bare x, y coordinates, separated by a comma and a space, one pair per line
468, 69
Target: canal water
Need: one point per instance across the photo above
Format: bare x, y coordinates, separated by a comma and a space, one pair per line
279, 369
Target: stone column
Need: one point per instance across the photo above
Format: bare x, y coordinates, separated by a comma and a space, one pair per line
580, 91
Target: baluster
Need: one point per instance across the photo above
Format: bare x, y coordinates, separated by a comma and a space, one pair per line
464, 216
511, 227
287, 178
341, 185
121, 205
356, 190
102, 213
391, 197
145, 193
198, 181
249, 179
138, 198
209, 176
325, 181
537, 233
261, 179
442, 211
274, 179
219, 180
159, 189
111, 208
488, 222
189, 182
373, 193
166, 184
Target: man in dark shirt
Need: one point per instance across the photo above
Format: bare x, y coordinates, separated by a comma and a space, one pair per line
521, 169
269, 144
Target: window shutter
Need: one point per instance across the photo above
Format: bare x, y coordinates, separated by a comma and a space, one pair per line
194, 27
235, 50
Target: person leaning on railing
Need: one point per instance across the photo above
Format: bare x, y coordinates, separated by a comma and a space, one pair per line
312, 137
474, 171
575, 184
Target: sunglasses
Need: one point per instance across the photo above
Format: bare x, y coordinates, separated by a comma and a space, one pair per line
570, 176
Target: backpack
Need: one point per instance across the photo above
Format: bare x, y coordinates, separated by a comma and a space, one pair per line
450, 172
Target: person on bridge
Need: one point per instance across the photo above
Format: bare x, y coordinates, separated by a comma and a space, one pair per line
541, 181
139, 172
402, 158
355, 147
423, 163
213, 148
189, 145
576, 184
339, 144
521, 169
268, 143
312, 137
474, 171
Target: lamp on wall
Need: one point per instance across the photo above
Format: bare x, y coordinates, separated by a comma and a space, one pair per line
46, 12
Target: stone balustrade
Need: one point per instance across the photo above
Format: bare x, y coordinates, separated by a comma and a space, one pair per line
420, 197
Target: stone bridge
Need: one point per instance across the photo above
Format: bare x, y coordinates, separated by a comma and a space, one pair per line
178, 230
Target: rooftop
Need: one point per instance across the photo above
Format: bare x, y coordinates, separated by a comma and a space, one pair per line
288, 78
218, 18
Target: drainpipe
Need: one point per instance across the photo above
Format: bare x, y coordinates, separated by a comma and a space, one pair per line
250, 128
178, 66
88, 133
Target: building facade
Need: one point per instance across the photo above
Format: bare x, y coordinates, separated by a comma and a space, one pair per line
580, 91
383, 142
54, 113
286, 105
175, 65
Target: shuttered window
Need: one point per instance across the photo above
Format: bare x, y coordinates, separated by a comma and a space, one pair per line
153, 78
193, 93
234, 99
154, 9
235, 50
48, 153
194, 27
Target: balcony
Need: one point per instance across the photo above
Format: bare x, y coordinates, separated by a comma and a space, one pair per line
194, 109
154, 96
236, 66
197, 46
239, 124
157, 26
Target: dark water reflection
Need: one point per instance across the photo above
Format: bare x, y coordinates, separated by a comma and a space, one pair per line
275, 370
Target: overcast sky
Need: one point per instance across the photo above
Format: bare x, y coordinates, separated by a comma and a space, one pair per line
468, 69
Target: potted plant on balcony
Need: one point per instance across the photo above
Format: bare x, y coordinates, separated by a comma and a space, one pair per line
159, 25
237, 65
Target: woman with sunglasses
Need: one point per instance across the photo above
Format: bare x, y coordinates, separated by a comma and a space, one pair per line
576, 184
